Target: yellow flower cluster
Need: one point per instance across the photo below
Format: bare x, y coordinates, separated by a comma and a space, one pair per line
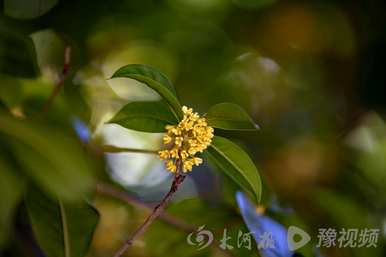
191, 136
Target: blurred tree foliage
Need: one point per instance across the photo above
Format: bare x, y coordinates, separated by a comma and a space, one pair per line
310, 73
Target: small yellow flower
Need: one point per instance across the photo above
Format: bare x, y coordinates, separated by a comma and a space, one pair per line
178, 141
167, 139
171, 166
164, 154
187, 166
197, 161
184, 154
191, 136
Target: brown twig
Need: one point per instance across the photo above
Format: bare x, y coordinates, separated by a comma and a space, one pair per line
106, 189
62, 78
157, 211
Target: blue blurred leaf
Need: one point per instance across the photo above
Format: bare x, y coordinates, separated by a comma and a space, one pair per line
81, 130
259, 224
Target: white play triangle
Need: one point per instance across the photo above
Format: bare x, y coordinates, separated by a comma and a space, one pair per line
295, 231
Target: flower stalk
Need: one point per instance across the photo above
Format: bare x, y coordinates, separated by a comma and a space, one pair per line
62, 78
157, 211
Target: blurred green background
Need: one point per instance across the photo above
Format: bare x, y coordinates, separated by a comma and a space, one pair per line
310, 73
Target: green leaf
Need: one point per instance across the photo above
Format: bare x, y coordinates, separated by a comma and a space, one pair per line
17, 54
48, 155
10, 91
27, 9
145, 116
11, 189
155, 80
229, 116
230, 158
61, 229
253, 4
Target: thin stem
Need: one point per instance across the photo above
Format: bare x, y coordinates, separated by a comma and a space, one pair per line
63, 76
116, 149
157, 211
106, 189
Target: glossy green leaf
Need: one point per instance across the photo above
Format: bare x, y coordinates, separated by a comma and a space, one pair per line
155, 80
235, 162
52, 158
145, 116
229, 116
27, 9
61, 229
